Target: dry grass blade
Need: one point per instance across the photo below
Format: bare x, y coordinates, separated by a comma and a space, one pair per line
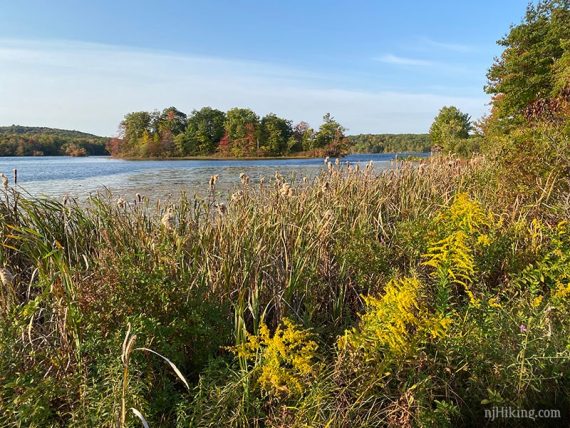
178, 372
141, 417
124, 349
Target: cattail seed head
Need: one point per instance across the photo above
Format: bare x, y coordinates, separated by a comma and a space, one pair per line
213, 181
169, 219
237, 196
121, 203
221, 208
286, 190
244, 178
6, 277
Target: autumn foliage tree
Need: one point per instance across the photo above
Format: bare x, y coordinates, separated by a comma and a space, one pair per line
528, 130
240, 132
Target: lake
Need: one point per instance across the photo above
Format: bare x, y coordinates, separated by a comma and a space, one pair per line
79, 177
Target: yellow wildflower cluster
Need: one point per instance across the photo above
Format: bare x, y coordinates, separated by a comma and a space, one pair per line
466, 214
552, 270
535, 231
285, 361
453, 256
562, 291
396, 322
561, 296
453, 260
494, 303
537, 301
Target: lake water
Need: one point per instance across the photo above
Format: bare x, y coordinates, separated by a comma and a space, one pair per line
79, 177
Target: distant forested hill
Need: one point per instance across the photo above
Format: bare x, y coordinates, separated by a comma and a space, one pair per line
389, 143
39, 141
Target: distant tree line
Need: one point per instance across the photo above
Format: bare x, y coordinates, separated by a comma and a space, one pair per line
389, 143
37, 141
239, 132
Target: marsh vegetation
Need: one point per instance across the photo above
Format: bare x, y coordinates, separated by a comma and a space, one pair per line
421, 295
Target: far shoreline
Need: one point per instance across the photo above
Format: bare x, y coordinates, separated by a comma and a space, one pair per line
215, 158
257, 158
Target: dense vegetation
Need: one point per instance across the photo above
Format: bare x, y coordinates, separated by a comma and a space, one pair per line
37, 141
389, 143
420, 296
237, 133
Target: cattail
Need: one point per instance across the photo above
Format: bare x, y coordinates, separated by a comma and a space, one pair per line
6, 277
329, 166
278, 179
221, 208
139, 197
5, 181
169, 219
236, 196
121, 203
286, 190
244, 178
326, 160
213, 181
65, 200
326, 186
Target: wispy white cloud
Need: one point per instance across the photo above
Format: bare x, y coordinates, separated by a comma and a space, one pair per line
400, 60
448, 46
90, 87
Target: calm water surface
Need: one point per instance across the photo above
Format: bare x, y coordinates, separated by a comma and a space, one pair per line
79, 177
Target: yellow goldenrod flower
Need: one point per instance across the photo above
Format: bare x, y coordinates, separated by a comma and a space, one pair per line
285, 361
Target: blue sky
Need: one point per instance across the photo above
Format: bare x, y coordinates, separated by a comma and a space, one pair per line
377, 66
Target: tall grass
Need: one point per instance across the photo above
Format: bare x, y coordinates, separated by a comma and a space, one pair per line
199, 278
